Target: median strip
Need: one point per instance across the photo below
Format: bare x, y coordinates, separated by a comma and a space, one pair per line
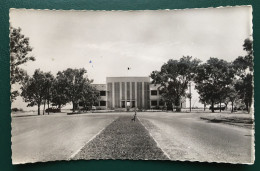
122, 139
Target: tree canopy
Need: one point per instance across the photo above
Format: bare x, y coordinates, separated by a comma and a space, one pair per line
19, 54
212, 80
220, 81
244, 66
35, 89
75, 86
174, 77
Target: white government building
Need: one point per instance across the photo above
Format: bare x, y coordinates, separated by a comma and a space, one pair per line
123, 92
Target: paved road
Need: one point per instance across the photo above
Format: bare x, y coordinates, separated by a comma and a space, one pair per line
53, 137
182, 136
186, 137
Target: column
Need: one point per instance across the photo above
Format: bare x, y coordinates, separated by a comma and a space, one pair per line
131, 93
113, 94
125, 93
120, 94
143, 95
106, 97
136, 94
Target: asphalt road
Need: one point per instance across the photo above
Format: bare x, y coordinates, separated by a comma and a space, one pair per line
186, 137
53, 137
182, 136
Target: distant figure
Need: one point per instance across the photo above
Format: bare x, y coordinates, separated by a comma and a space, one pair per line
133, 119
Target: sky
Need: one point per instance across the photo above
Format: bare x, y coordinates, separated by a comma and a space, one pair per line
106, 43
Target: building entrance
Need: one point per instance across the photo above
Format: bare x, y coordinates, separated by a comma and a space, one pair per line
133, 104
128, 103
123, 104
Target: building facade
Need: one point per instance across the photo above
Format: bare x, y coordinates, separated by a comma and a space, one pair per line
123, 92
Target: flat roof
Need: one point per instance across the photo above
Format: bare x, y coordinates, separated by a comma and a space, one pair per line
128, 79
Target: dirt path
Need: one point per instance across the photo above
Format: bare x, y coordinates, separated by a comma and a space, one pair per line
122, 139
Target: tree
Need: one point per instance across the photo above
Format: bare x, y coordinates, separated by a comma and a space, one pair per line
34, 90
212, 80
90, 96
58, 95
19, 54
244, 88
174, 77
233, 96
204, 101
224, 94
244, 67
48, 83
74, 83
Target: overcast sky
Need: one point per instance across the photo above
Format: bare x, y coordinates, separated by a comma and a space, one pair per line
105, 43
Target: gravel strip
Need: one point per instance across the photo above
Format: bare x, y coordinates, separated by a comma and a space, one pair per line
122, 139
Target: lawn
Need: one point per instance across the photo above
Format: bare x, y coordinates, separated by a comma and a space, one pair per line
122, 139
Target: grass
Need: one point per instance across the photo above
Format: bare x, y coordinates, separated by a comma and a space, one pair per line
236, 121
122, 139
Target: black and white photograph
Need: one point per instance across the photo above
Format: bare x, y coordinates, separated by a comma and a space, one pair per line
132, 85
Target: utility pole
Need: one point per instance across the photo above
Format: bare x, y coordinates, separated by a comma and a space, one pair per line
190, 95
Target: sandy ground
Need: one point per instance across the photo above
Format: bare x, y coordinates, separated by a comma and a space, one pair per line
187, 137
53, 137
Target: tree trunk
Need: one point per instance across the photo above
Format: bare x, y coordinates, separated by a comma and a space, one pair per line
39, 105
232, 109
43, 112
212, 106
204, 106
220, 105
226, 106
177, 104
74, 106
48, 102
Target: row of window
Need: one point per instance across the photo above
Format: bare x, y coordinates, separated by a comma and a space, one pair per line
153, 103
153, 93
101, 103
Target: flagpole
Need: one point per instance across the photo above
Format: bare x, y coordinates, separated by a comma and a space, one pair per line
127, 73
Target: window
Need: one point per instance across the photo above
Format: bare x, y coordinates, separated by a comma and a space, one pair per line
154, 103
133, 103
161, 103
103, 103
154, 92
102, 93
123, 104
